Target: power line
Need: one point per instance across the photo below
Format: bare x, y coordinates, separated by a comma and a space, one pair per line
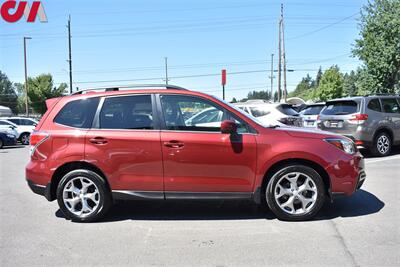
323, 28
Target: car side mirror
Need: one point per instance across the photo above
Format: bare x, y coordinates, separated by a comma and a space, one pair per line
12, 127
229, 127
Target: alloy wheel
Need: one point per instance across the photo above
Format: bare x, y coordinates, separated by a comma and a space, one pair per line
295, 193
81, 196
25, 139
383, 144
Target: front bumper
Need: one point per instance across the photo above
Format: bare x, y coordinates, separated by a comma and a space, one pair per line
43, 190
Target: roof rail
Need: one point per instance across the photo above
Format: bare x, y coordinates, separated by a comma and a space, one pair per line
130, 86
382, 94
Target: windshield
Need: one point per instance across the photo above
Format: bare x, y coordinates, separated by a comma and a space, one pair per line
340, 108
247, 115
312, 110
287, 110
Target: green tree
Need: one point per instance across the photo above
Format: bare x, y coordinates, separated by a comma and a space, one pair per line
379, 46
331, 84
40, 89
259, 95
8, 97
234, 100
315, 83
303, 88
349, 84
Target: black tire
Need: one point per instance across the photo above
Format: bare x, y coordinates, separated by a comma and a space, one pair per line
104, 196
24, 138
377, 149
305, 172
1, 143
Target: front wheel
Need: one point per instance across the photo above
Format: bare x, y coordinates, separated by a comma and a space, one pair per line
82, 196
295, 193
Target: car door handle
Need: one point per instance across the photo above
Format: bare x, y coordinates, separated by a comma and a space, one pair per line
173, 144
98, 140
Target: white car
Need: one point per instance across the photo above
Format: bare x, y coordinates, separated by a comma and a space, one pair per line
23, 126
310, 114
272, 113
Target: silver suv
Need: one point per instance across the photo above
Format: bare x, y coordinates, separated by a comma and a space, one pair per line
372, 122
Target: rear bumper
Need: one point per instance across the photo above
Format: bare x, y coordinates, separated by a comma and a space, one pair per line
43, 190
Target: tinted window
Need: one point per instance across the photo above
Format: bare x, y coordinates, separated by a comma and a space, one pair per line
204, 115
374, 105
27, 122
4, 123
16, 121
127, 112
390, 105
340, 108
287, 110
78, 113
312, 110
259, 111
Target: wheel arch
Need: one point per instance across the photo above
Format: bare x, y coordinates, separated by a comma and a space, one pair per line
70, 166
385, 130
293, 161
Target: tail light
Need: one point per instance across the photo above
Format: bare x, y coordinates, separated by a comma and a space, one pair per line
358, 118
36, 139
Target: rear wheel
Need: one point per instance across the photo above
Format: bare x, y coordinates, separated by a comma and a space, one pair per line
83, 196
25, 138
382, 145
295, 193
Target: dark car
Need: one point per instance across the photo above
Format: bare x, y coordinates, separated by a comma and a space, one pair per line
7, 139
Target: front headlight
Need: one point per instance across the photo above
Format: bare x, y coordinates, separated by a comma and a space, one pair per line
345, 145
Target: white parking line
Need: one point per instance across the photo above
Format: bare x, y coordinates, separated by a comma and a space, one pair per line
382, 159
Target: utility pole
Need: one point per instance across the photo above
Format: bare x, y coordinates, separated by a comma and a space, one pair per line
70, 54
166, 71
283, 56
272, 76
280, 55
26, 78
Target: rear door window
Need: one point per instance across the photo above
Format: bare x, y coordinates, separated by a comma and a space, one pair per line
78, 113
340, 108
375, 105
390, 105
127, 112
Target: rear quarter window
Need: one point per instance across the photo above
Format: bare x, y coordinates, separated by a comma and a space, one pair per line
340, 108
78, 113
390, 105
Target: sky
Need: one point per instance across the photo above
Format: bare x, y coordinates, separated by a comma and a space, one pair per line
126, 42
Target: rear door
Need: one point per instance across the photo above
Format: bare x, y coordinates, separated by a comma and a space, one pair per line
391, 109
125, 143
198, 157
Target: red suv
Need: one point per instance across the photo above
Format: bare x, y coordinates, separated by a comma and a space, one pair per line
92, 148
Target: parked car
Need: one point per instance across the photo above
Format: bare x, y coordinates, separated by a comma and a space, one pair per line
24, 127
7, 139
5, 111
8, 128
272, 113
372, 122
91, 149
310, 114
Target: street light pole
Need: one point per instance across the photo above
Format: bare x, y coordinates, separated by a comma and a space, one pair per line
26, 78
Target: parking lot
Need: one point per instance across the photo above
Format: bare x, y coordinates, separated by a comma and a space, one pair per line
362, 230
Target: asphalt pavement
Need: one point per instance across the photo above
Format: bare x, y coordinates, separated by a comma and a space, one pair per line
362, 230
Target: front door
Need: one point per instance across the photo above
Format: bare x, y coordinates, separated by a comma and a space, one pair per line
197, 156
